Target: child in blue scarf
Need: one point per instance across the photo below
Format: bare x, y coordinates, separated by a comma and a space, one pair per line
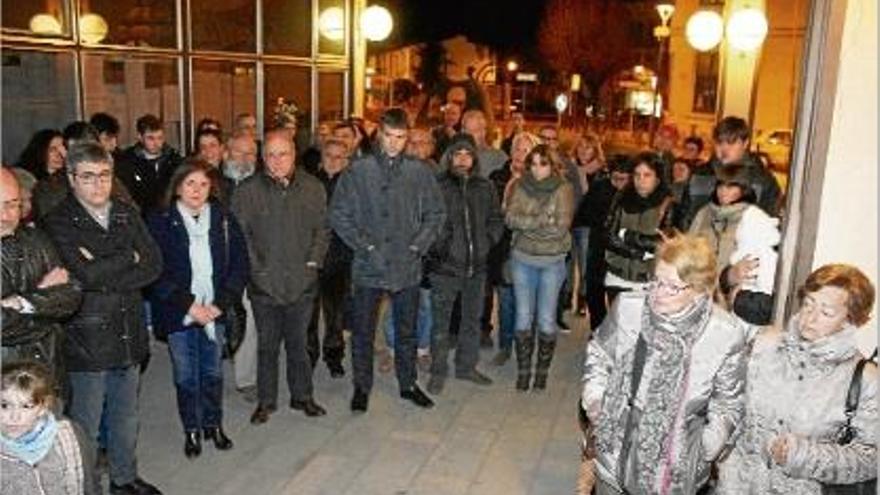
38, 453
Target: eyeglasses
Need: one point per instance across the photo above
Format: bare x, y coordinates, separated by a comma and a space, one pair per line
671, 288
91, 178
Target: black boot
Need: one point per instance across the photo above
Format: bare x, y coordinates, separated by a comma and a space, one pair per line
546, 348
560, 312
192, 444
525, 346
221, 441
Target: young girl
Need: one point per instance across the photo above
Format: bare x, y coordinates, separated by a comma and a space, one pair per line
39, 454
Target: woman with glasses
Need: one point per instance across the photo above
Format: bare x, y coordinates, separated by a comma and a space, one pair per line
796, 435
634, 226
539, 209
663, 378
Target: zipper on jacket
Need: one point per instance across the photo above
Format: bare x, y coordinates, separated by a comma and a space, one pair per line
467, 228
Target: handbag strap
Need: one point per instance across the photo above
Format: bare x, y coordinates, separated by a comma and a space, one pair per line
855, 389
638, 368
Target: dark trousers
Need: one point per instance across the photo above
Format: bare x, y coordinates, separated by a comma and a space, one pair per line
365, 312
594, 279
333, 297
287, 322
445, 292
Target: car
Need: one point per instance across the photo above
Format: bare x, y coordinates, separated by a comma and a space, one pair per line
776, 144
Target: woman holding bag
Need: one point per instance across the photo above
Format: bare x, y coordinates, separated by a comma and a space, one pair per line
204, 273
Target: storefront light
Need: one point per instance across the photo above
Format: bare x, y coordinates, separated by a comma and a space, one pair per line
747, 29
92, 28
45, 24
376, 23
704, 30
331, 24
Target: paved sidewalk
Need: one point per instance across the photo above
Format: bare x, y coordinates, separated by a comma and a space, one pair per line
480, 441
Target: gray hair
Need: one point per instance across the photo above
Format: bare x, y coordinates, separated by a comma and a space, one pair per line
86, 152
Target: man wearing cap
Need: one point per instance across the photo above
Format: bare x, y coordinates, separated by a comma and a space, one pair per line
458, 260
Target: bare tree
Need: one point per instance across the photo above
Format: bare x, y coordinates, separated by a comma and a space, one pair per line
590, 37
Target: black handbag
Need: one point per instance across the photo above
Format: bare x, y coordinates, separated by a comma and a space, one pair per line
847, 433
235, 315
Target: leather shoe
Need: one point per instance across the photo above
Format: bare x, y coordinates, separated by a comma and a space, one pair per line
192, 445
136, 487
359, 401
221, 441
417, 397
474, 376
308, 406
261, 414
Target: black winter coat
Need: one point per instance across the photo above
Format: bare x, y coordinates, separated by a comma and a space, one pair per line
147, 180
28, 256
112, 266
474, 224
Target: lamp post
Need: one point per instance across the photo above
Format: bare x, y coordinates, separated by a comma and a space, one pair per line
662, 33
742, 38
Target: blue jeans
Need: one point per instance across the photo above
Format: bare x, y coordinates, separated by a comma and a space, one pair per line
423, 322
536, 286
198, 376
365, 312
117, 391
506, 316
581, 238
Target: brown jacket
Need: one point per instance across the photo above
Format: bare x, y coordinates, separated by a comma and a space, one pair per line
540, 218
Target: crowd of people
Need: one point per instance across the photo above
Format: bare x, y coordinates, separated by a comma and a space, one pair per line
250, 243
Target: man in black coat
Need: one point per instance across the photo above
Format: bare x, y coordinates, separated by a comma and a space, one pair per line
458, 261
146, 167
107, 247
38, 292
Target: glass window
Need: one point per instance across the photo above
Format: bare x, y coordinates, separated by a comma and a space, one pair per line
287, 27
39, 91
222, 90
128, 87
146, 23
706, 82
293, 85
37, 18
331, 27
331, 94
228, 26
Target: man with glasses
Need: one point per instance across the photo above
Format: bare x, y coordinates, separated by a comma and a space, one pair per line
38, 293
106, 246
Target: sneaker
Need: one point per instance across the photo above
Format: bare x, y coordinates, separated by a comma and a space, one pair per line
435, 384
359, 401
417, 397
474, 376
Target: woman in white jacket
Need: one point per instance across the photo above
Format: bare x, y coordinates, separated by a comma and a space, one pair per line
798, 382
664, 377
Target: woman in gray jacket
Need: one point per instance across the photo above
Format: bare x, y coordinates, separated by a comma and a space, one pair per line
663, 378
798, 382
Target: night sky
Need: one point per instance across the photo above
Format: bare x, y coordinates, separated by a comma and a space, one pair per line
507, 25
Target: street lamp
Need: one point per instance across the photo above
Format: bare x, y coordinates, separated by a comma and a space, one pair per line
331, 24
704, 30
747, 29
376, 23
512, 66
662, 33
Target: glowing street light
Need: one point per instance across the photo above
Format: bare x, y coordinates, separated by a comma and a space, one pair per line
376, 23
512, 66
747, 29
704, 30
92, 28
45, 24
331, 24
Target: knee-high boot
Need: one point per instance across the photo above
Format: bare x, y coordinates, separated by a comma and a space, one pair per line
546, 349
525, 346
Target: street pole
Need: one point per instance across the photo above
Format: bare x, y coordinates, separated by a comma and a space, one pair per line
655, 119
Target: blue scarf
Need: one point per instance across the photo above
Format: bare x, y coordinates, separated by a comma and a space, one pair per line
35, 444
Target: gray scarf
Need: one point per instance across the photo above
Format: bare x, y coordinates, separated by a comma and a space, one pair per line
653, 435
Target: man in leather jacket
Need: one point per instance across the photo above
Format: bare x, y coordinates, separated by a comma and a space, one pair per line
37, 292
